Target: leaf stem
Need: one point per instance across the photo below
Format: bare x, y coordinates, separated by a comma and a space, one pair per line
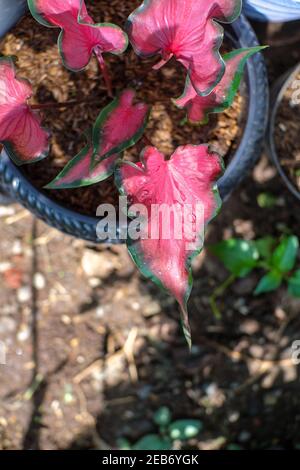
163, 61
104, 70
218, 292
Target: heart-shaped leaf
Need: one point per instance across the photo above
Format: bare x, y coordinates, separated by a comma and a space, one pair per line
20, 126
186, 30
199, 107
79, 37
177, 197
119, 126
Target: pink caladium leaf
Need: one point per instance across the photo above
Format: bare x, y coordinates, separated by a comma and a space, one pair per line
119, 126
77, 173
199, 107
187, 30
20, 126
176, 198
79, 37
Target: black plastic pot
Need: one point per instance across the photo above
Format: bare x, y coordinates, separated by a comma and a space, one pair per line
15, 183
277, 94
11, 12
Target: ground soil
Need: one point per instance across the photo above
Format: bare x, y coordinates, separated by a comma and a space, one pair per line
287, 132
93, 350
39, 61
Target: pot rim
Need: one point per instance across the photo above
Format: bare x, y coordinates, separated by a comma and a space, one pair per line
257, 120
277, 94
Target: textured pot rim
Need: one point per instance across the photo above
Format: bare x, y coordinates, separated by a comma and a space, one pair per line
257, 121
272, 10
246, 155
277, 94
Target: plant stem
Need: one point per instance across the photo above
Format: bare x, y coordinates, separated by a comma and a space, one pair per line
104, 71
163, 61
217, 293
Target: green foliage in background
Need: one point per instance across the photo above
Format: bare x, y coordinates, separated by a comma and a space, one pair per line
168, 432
276, 258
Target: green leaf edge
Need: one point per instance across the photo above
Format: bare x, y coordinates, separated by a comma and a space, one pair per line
40, 19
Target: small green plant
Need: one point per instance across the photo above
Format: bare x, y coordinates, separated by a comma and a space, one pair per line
276, 258
168, 432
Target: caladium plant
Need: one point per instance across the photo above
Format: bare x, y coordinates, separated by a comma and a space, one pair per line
177, 196
184, 184
199, 107
20, 125
80, 37
186, 30
119, 126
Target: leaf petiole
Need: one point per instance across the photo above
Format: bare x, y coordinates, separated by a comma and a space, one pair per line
104, 71
218, 292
